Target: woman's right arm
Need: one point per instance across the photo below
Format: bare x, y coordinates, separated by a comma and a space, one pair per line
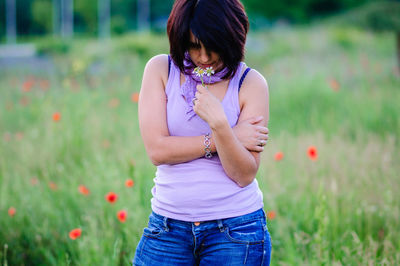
160, 146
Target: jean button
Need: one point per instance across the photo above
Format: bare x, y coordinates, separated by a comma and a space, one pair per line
196, 223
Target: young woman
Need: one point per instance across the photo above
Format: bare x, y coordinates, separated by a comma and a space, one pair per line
205, 141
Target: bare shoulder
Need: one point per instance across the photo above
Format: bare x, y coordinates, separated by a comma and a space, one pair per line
157, 67
254, 85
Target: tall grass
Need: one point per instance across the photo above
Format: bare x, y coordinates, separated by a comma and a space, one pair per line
336, 89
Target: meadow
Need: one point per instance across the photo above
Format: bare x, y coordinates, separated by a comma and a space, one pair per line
69, 135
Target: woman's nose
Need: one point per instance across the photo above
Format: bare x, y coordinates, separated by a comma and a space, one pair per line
204, 55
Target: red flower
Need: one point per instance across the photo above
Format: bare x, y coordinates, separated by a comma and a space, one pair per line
24, 101
106, 144
83, 190
271, 215
9, 105
114, 102
135, 97
44, 84
11, 211
111, 197
312, 153
56, 116
7, 136
34, 181
53, 186
278, 156
121, 215
19, 135
27, 85
129, 183
75, 233
334, 84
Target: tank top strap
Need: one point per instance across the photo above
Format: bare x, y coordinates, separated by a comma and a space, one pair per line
234, 83
232, 94
243, 77
169, 64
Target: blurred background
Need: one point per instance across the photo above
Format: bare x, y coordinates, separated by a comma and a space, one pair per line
75, 180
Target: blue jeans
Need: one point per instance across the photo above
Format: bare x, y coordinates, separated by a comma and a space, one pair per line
233, 241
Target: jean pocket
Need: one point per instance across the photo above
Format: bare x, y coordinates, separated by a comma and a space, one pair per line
249, 232
155, 227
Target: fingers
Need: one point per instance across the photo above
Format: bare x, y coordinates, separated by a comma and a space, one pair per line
262, 130
258, 149
255, 120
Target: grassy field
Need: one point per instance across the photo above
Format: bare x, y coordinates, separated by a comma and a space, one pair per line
76, 125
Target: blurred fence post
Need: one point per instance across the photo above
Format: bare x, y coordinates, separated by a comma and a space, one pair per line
104, 18
11, 22
143, 15
67, 18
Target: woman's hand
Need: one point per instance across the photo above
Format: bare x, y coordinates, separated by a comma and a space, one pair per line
252, 135
208, 107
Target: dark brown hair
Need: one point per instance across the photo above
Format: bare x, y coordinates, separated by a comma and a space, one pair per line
221, 25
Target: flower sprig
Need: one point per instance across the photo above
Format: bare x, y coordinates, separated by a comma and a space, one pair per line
200, 72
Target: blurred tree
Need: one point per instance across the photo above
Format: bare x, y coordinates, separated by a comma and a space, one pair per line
24, 17
123, 16
2, 19
378, 16
85, 17
42, 16
300, 10
159, 12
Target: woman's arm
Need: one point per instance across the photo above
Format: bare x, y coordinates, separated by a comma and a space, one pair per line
239, 164
165, 149
160, 146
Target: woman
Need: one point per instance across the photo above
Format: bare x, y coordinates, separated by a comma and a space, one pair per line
205, 141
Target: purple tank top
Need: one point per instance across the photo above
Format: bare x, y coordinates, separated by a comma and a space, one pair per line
200, 190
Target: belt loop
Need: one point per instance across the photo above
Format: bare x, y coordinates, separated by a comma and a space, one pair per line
220, 226
165, 224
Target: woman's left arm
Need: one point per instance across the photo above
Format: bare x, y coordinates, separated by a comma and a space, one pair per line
239, 164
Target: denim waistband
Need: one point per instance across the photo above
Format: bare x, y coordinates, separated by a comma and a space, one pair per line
226, 221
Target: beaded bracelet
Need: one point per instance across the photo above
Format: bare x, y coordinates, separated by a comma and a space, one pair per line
207, 144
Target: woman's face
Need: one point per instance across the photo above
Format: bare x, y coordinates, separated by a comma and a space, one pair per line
201, 57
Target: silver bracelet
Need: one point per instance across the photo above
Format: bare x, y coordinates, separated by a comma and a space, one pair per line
207, 144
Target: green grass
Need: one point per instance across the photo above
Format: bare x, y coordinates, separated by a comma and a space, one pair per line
342, 209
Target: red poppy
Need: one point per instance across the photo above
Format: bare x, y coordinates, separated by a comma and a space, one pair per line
135, 97
27, 85
129, 183
106, 144
9, 106
271, 215
44, 84
113, 103
312, 153
121, 215
56, 116
11, 211
75, 233
7, 136
111, 197
53, 186
34, 181
278, 156
24, 101
19, 135
83, 190
334, 84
